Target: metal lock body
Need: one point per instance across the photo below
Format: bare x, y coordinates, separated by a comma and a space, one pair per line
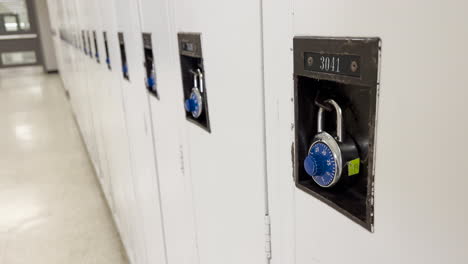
328, 156
125, 68
151, 80
194, 104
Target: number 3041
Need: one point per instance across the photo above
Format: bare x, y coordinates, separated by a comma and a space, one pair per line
330, 64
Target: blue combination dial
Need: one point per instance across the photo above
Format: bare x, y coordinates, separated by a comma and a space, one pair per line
194, 103
321, 164
150, 82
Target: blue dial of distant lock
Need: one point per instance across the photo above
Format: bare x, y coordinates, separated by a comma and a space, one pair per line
192, 104
150, 82
196, 105
320, 164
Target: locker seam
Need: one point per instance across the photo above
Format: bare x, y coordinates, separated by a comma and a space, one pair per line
268, 252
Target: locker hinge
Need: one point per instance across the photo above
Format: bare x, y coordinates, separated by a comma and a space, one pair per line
267, 237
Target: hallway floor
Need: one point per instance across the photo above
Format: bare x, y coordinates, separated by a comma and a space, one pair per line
51, 207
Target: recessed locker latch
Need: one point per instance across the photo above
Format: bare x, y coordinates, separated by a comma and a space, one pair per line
335, 98
83, 39
90, 52
106, 47
96, 48
123, 56
148, 63
193, 80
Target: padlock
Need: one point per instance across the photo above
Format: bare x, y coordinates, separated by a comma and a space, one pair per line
125, 68
328, 157
194, 104
151, 79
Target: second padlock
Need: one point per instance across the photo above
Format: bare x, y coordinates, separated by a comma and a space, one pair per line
194, 104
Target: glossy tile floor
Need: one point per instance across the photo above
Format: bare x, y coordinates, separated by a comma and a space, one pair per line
51, 207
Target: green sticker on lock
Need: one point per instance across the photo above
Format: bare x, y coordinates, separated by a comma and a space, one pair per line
353, 166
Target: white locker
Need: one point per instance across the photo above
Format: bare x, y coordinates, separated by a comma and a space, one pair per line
96, 97
114, 121
95, 91
184, 194
149, 244
418, 212
168, 118
226, 164
83, 88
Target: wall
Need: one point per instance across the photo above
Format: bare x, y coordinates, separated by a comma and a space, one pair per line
45, 34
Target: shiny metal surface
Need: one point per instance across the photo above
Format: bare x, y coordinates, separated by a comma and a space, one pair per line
339, 120
200, 77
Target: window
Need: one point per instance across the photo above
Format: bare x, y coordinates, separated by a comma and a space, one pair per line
14, 14
19, 58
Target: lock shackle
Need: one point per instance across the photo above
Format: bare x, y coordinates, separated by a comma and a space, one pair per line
339, 119
197, 75
200, 79
195, 84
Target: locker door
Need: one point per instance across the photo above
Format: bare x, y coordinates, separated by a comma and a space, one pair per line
73, 65
417, 216
168, 120
98, 95
120, 167
85, 87
227, 160
94, 89
150, 245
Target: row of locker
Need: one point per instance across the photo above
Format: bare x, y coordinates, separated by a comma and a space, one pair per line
134, 138
206, 122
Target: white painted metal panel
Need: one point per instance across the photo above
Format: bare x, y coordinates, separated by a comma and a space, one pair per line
168, 119
419, 178
149, 246
85, 83
227, 165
